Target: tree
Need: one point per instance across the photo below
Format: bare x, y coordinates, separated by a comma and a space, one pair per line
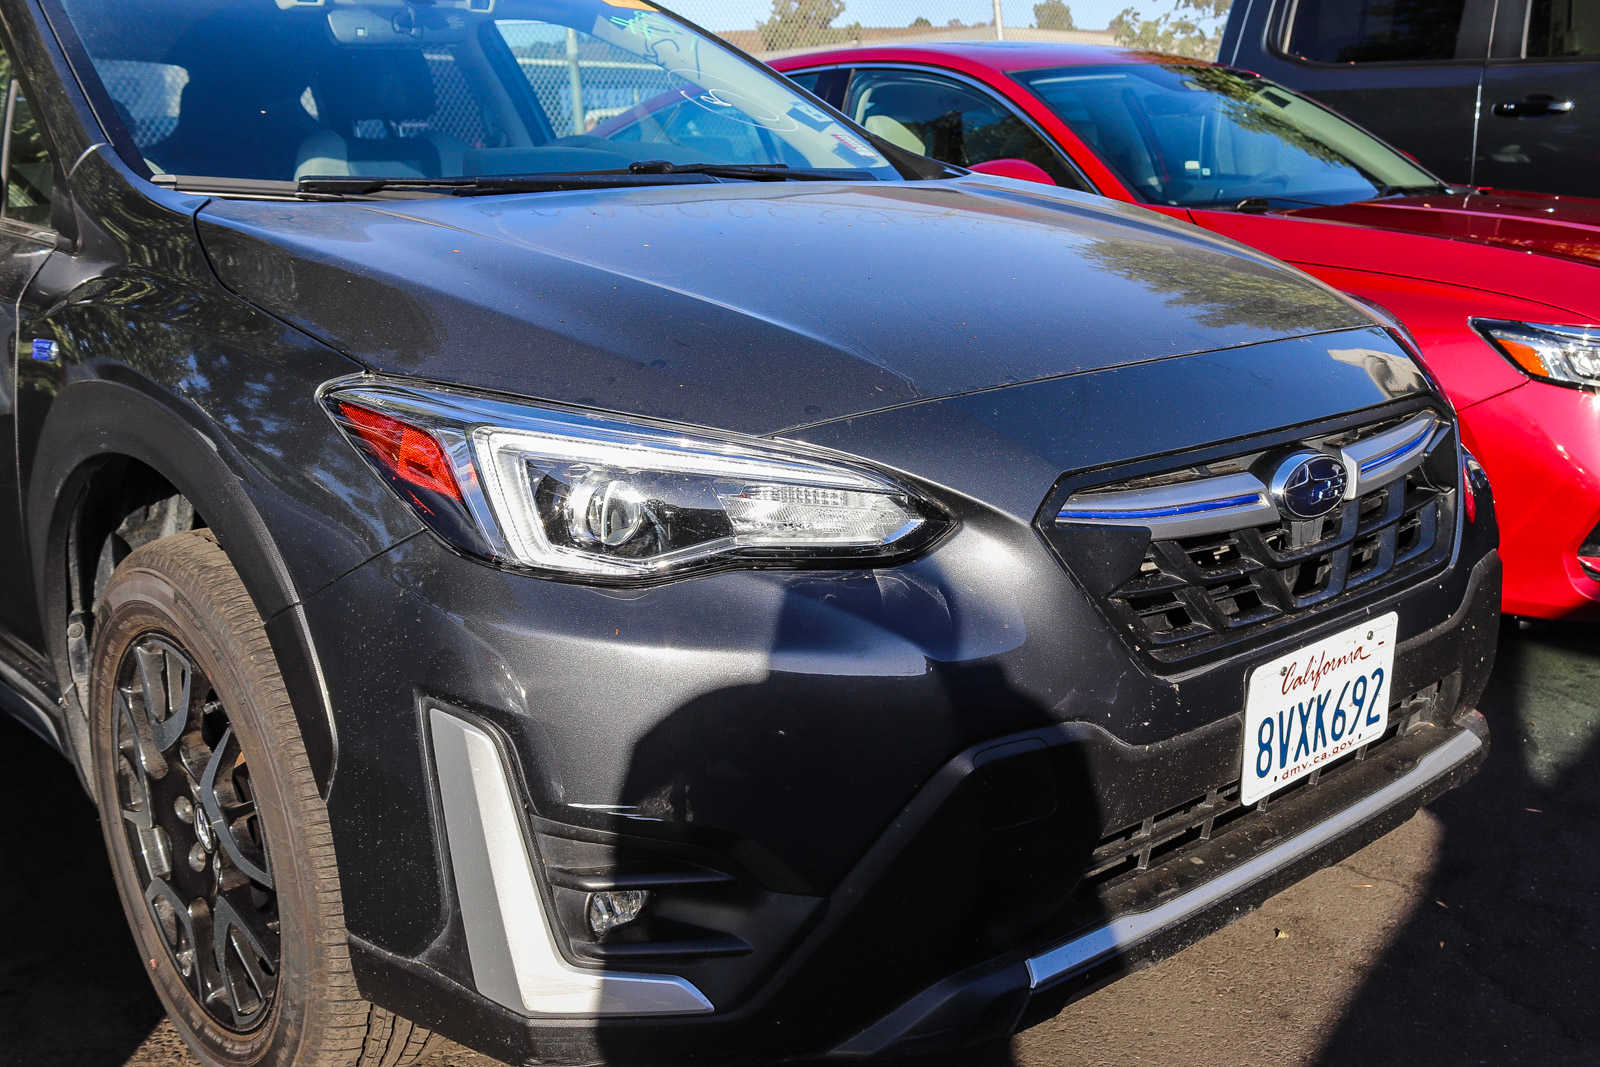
1192, 28
799, 24
921, 23
1053, 15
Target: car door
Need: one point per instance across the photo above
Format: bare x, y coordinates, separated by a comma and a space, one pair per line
1410, 72
28, 175
1539, 127
950, 118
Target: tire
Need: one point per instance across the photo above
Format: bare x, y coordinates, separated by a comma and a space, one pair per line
256, 969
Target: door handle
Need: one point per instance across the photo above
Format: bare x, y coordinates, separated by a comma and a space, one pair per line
1532, 107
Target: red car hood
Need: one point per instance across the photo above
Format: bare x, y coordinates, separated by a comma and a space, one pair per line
1566, 226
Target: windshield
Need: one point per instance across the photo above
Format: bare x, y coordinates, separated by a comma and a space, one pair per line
1197, 136
280, 90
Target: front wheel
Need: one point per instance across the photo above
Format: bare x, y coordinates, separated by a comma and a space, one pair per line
218, 838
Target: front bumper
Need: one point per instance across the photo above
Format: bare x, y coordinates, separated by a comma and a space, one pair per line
1540, 444
967, 867
1188, 897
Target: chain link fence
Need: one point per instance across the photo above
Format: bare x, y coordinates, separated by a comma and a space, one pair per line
581, 82
792, 26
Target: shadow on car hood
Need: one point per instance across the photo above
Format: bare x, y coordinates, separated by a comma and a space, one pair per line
755, 307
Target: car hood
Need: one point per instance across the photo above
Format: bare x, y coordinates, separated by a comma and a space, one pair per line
752, 306
1566, 226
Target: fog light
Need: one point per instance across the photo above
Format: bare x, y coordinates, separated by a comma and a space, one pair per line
614, 908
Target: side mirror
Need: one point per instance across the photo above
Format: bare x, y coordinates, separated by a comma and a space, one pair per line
1015, 168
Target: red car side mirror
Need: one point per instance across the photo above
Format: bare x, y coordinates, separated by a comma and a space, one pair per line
1015, 168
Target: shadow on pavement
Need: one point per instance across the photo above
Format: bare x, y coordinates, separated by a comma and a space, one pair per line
71, 989
1500, 963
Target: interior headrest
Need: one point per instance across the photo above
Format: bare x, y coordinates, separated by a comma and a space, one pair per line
392, 84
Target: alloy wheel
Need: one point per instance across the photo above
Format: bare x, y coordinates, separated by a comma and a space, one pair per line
194, 832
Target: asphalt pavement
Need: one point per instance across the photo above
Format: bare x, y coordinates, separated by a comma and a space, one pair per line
1469, 935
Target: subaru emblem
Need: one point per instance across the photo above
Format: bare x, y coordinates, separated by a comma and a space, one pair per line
1308, 485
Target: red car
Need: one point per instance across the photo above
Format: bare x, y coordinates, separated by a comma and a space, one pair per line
1500, 289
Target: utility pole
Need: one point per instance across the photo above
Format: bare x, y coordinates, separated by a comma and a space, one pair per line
999, 22
575, 82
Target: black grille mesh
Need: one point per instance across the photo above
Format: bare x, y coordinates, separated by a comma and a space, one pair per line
1191, 593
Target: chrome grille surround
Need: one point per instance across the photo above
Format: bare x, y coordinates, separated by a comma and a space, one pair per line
1192, 559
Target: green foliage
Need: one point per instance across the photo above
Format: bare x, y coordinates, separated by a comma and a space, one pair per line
802, 24
1053, 15
1192, 28
921, 23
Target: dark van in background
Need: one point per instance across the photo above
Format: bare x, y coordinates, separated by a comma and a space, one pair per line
1491, 92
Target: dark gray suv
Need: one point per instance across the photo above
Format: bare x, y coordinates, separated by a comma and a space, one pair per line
529, 526
1502, 93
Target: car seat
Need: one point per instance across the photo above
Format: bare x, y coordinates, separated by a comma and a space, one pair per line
359, 91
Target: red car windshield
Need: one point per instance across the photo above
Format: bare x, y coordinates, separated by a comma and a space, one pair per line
1195, 136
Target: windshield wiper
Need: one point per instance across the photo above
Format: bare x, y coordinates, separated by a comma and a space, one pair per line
1411, 190
485, 185
647, 172
755, 172
1265, 203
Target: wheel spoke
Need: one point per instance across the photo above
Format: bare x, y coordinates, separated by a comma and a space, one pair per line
166, 680
176, 925
219, 775
209, 985
135, 743
249, 984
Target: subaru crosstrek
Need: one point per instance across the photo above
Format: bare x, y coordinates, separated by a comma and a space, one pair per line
681, 594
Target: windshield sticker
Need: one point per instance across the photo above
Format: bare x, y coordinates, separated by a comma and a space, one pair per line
651, 35
814, 117
852, 150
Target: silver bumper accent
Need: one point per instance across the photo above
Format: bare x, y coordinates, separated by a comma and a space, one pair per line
1126, 931
515, 961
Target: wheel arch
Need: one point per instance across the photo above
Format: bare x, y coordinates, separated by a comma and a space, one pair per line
107, 445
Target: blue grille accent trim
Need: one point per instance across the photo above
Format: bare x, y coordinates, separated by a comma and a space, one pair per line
1069, 513
1411, 446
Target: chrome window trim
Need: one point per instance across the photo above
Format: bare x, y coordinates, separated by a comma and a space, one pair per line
968, 81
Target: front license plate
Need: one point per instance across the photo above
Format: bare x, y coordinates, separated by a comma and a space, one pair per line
1312, 706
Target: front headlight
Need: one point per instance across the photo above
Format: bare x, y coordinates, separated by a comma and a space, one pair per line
585, 496
1569, 355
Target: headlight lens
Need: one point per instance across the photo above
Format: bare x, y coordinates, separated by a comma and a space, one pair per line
1566, 354
586, 496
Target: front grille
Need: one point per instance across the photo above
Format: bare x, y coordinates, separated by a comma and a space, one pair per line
1191, 595
1192, 588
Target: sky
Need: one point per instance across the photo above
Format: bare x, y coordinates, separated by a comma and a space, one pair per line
744, 14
